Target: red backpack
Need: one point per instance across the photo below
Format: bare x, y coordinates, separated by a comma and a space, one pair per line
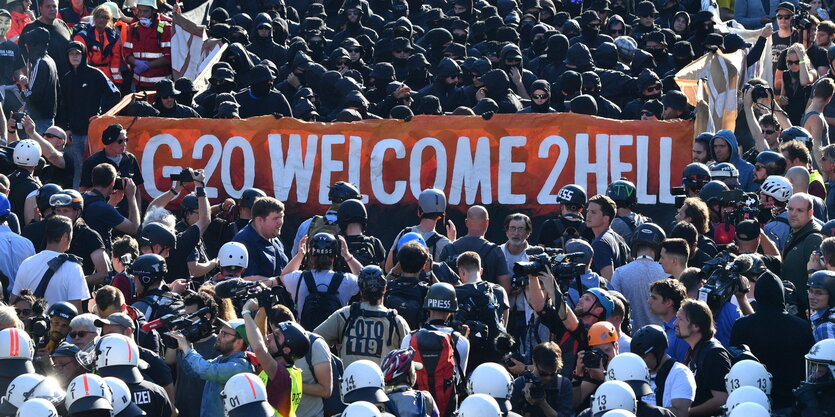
436, 351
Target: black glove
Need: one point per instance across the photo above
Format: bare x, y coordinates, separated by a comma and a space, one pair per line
487, 115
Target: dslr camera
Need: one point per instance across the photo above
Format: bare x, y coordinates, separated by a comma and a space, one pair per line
801, 20
595, 358
186, 175
562, 265
722, 278
536, 391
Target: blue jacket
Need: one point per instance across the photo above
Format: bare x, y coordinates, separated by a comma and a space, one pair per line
746, 170
215, 372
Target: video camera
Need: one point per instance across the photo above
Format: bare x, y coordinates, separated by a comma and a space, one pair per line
186, 175
192, 330
39, 327
738, 205
562, 265
595, 358
802, 21
680, 194
240, 290
722, 278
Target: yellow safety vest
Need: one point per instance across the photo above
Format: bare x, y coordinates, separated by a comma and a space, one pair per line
815, 175
295, 388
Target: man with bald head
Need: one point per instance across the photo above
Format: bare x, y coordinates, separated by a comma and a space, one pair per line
61, 167
799, 177
804, 239
492, 258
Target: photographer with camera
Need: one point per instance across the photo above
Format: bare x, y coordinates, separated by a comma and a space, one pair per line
590, 369
105, 191
542, 391
338, 193
47, 340
707, 359
431, 208
115, 153
569, 223
231, 344
155, 298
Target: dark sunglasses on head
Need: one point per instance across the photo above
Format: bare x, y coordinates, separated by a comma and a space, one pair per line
784, 16
50, 135
23, 312
80, 333
121, 141
540, 96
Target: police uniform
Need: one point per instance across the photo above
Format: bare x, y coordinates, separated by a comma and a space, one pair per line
151, 398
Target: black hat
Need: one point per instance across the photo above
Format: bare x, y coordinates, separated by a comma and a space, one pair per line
733, 43
786, 5
584, 104
653, 106
401, 44
223, 73
259, 73
165, 88
656, 37
400, 112
683, 49
748, 230
111, 133
645, 8
185, 85
675, 100
600, 6
588, 16
383, 71
713, 41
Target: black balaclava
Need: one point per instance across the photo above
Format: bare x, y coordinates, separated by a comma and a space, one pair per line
589, 33
545, 86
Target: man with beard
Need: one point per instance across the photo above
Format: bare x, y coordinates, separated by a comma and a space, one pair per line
231, 343
260, 98
590, 36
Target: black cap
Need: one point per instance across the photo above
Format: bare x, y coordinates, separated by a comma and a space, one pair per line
645, 8
653, 106
675, 100
733, 43
656, 37
165, 88
786, 5
111, 133
748, 230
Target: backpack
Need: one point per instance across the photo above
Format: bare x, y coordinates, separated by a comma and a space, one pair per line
632, 222
568, 229
436, 351
735, 353
333, 404
479, 303
431, 243
356, 344
321, 224
407, 299
364, 252
318, 306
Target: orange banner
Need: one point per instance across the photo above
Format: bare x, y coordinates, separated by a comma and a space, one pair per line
518, 159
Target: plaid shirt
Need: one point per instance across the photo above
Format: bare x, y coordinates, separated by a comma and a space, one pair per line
824, 329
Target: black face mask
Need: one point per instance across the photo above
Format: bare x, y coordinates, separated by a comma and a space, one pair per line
658, 54
460, 38
261, 89
655, 96
619, 10
590, 32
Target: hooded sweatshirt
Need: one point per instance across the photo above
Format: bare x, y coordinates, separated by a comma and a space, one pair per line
545, 107
42, 91
498, 89
451, 96
746, 170
85, 92
778, 339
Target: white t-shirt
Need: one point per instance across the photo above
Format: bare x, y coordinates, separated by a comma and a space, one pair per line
680, 384
517, 302
347, 288
462, 347
67, 283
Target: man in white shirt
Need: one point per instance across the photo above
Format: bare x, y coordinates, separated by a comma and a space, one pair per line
679, 385
14, 248
65, 277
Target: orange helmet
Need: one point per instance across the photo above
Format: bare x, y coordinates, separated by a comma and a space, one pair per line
602, 332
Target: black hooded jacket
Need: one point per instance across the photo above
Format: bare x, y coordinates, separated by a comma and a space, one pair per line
265, 47
498, 89
553, 63
451, 96
545, 107
778, 339
85, 92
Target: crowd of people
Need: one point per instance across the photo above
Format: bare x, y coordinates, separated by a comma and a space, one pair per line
115, 306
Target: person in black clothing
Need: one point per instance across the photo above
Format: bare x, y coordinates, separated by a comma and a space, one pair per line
783, 356
592, 87
61, 164
262, 43
569, 223
115, 153
649, 88
101, 216
354, 13
260, 98
708, 360
166, 102
41, 91
23, 180
610, 250
540, 98
590, 24
59, 34
11, 66
447, 75
85, 92
497, 87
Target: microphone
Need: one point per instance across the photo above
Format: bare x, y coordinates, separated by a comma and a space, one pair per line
742, 264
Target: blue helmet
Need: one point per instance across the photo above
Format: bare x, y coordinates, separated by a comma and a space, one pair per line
605, 301
408, 237
5, 206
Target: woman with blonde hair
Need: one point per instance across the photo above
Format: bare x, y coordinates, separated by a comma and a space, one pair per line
103, 42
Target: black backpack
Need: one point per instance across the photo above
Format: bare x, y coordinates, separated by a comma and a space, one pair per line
318, 306
356, 311
407, 298
568, 229
333, 405
363, 251
479, 303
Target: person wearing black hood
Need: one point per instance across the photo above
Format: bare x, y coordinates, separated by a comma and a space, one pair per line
669, 10
353, 13
41, 92
166, 102
616, 26
702, 25
540, 98
263, 44
222, 80
590, 35
583, 104
778, 339
552, 64
649, 88
511, 63
462, 9
260, 99
681, 24
445, 86
401, 51
381, 75
570, 85
614, 83
592, 87
497, 88
298, 75
656, 44
241, 61
682, 56
646, 13
59, 34
356, 52
85, 92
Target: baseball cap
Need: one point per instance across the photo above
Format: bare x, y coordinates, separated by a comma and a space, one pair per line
111, 133
747, 230
66, 350
238, 326
120, 319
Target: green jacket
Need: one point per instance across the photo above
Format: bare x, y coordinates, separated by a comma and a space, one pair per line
796, 255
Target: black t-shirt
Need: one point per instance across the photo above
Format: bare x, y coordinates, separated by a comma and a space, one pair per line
10, 61
177, 260
492, 257
127, 167
61, 176
85, 241
22, 183
59, 38
709, 368
555, 232
158, 371
151, 398
609, 250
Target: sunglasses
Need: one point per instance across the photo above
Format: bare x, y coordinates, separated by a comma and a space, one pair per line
769, 132
121, 141
228, 333
80, 333
50, 135
647, 113
23, 312
644, 16
539, 96
790, 62
784, 16
618, 31
355, 50
653, 88
594, 25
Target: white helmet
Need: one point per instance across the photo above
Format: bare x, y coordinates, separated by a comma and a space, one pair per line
619, 413
16, 351
233, 254
749, 410
37, 407
245, 395
27, 153
630, 368
777, 187
149, 3
613, 395
363, 374
117, 355
28, 386
122, 398
492, 379
479, 405
88, 392
820, 357
361, 409
748, 373
747, 395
